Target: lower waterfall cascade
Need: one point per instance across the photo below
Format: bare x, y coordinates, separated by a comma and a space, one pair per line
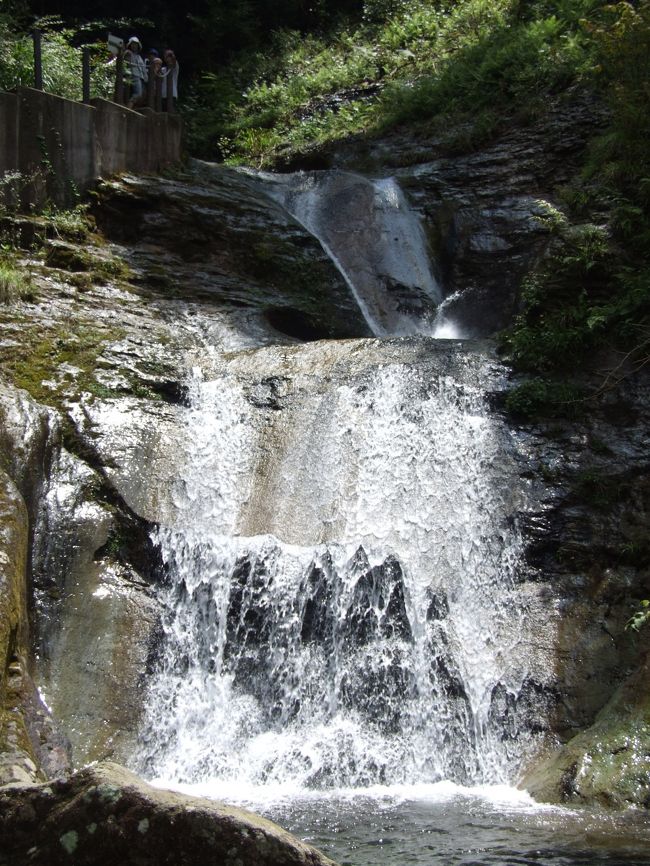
292, 554
350, 641
341, 606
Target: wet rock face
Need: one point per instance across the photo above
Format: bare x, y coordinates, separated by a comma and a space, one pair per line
608, 763
28, 437
588, 547
482, 209
106, 815
215, 239
17, 760
480, 204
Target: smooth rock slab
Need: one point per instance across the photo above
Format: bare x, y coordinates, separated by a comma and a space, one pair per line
107, 815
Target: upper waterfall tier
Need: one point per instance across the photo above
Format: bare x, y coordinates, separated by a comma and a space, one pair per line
375, 239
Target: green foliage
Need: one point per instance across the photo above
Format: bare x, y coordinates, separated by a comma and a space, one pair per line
406, 62
73, 224
544, 398
61, 59
640, 618
592, 289
36, 367
598, 490
15, 284
491, 62
567, 303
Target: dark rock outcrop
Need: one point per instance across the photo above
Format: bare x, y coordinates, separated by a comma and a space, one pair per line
480, 203
214, 240
588, 546
106, 815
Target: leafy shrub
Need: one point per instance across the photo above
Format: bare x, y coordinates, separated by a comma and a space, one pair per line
545, 398
61, 60
15, 284
421, 60
593, 288
640, 618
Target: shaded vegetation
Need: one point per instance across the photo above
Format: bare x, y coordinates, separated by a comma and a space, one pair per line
15, 284
61, 57
589, 298
416, 63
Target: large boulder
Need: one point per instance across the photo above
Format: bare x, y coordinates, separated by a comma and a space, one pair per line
609, 763
107, 815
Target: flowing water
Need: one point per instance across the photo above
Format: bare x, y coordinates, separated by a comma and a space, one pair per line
346, 647
377, 242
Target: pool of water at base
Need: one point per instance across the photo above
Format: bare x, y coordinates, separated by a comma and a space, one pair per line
445, 825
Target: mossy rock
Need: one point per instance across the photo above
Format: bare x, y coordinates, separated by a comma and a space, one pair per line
609, 763
67, 258
106, 815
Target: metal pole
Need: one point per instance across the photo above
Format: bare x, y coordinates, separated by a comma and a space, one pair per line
170, 92
158, 94
38, 60
85, 73
119, 78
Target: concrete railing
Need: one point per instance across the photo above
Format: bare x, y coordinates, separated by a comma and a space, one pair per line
60, 147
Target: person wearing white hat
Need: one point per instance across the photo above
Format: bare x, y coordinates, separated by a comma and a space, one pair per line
137, 71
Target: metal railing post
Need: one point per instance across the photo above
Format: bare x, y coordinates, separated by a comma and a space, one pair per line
38, 60
85, 73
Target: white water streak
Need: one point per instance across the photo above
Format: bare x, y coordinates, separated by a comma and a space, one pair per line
375, 239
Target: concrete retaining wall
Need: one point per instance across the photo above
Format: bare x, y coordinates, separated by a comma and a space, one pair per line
8, 144
61, 147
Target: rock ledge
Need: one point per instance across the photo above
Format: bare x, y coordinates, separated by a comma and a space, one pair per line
106, 815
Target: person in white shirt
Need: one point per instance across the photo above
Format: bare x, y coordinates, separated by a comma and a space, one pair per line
170, 71
137, 72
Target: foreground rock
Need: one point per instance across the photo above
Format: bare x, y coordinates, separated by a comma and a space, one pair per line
107, 815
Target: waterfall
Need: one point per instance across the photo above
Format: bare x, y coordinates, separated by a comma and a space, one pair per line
341, 559
375, 239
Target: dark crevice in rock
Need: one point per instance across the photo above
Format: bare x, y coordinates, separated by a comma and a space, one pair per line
169, 390
295, 323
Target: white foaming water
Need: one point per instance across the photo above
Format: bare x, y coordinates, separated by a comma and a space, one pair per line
341, 565
377, 242
261, 798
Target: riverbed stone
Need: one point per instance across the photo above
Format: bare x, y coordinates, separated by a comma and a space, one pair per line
106, 815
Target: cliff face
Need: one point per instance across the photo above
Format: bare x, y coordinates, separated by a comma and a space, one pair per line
93, 404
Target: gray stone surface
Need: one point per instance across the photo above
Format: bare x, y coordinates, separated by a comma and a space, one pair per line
107, 815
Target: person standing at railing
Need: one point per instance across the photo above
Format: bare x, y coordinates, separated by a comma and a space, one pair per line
170, 81
154, 65
137, 72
